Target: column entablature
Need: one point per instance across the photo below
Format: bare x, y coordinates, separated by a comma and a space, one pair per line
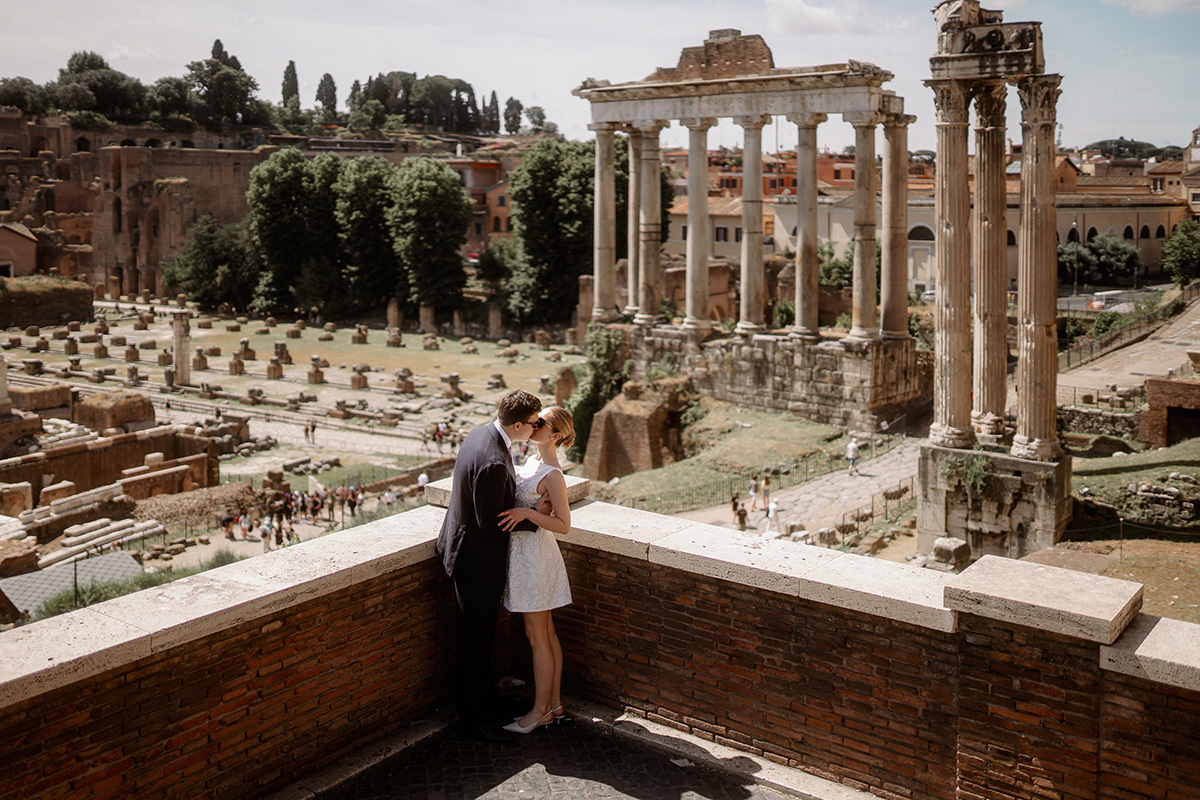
609, 127
697, 123
752, 120
808, 120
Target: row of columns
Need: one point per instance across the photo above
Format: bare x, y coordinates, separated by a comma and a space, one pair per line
971, 400
645, 227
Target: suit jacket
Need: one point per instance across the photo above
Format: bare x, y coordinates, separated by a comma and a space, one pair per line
484, 485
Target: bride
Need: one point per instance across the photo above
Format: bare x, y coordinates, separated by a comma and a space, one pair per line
537, 578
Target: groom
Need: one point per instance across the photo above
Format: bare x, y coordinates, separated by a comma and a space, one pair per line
474, 552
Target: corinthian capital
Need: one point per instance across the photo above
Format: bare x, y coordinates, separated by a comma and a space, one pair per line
991, 100
951, 99
1039, 98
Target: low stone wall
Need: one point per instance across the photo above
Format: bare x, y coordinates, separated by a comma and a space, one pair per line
1011, 680
1080, 419
857, 385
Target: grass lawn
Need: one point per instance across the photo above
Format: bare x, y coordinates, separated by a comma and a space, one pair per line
728, 441
1107, 478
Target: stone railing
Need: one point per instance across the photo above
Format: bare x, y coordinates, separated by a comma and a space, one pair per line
1010, 680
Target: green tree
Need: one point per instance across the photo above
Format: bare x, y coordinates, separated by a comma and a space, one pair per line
1076, 262
1116, 259
217, 265
82, 61
512, 116
492, 115
370, 115
224, 92
327, 97
430, 221
169, 97
292, 225
88, 83
537, 118
432, 102
291, 83
836, 272
352, 100
291, 118
26, 95
1181, 252
366, 196
607, 368
498, 261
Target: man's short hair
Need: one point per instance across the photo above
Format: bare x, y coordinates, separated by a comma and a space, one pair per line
516, 406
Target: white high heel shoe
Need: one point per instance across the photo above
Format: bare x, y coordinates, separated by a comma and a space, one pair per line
515, 725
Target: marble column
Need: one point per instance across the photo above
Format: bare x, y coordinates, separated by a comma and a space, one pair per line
952, 307
5, 400
990, 247
865, 319
181, 344
1037, 370
633, 272
895, 226
808, 273
697, 235
753, 295
604, 234
650, 226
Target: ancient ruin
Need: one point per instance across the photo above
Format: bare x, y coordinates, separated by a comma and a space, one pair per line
1004, 503
867, 378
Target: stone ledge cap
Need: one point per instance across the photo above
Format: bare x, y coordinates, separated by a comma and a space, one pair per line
437, 493
1053, 599
1157, 649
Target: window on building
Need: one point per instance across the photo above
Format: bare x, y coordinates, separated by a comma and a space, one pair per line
495, 224
683, 232
737, 234
1161, 233
1012, 239
1128, 234
1196, 197
721, 233
1092, 234
510, 224
1156, 184
1073, 234
501, 200
1145, 232
771, 183
478, 228
920, 233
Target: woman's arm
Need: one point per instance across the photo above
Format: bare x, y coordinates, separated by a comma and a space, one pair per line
555, 486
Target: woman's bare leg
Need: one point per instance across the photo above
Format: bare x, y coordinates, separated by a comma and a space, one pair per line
556, 649
538, 633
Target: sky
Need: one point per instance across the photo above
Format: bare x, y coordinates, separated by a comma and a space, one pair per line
1130, 67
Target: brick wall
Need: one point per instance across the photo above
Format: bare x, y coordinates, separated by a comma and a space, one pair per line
1011, 681
1162, 395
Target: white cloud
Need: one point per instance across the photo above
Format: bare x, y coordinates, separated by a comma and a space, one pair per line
802, 18
1151, 8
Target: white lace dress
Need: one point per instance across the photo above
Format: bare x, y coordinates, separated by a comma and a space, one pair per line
537, 577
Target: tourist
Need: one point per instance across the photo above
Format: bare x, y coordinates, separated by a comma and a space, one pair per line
352, 499
754, 491
227, 521
474, 549
741, 516
266, 533
772, 516
422, 482
537, 577
733, 506
852, 456
766, 490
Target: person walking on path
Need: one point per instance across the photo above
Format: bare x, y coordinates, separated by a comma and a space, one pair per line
766, 490
474, 550
753, 492
733, 506
852, 456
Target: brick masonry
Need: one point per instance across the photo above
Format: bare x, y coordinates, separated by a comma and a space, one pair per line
1162, 395
835, 382
1011, 681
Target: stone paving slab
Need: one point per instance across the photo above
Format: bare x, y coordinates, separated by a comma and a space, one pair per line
570, 760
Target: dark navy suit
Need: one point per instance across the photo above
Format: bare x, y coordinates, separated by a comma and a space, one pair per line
474, 550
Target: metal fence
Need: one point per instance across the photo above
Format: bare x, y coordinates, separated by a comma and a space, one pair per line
715, 493
1133, 328
884, 507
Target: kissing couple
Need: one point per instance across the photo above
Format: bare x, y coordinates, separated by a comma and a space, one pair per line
497, 545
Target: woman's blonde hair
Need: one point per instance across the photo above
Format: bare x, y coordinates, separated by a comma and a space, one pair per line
561, 423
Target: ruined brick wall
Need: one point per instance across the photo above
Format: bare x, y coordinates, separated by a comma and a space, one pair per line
1162, 395
857, 387
43, 301
99, 462
1078, 419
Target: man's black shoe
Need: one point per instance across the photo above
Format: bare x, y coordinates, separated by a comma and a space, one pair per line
490, 732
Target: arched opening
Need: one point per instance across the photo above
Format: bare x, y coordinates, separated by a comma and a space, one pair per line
1073, 235
62, 171
1128, 232
128, 143
153, 143
1012, 238
1145, 232
37, 145
495, 224
83, 144
220, 145
187, 143
48, 201
1092, 234
1161, 233
920, 233
116, 212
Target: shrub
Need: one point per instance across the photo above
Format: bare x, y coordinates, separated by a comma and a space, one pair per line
606, 374
973, 470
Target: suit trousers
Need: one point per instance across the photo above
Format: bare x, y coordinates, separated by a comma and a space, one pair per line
477, 598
